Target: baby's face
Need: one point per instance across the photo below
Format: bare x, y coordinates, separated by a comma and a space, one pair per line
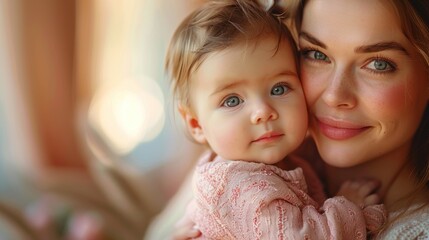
248, 101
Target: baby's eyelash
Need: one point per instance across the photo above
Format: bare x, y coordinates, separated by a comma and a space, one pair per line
223, 101
283, 84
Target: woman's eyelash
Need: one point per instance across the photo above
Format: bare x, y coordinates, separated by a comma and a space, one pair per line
306, 50
390, 61
313, 54
391, 65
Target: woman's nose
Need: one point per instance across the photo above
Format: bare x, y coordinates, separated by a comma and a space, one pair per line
339, 91
263, 113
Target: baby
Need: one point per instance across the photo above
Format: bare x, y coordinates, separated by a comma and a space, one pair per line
234, 73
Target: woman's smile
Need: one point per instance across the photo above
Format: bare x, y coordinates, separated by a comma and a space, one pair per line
339, 130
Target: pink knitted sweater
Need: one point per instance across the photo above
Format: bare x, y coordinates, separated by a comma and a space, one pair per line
243, 200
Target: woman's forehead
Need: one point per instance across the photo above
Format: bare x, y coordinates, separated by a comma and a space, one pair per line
369, 15
354, 22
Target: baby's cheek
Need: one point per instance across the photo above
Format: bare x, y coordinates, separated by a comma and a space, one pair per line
228, 141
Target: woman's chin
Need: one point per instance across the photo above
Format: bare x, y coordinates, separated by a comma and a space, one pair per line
340, 159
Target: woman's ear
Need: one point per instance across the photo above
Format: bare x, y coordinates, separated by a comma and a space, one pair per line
192, 124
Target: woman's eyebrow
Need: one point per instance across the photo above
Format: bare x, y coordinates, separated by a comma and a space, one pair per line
381, 46
377, 47
312, 39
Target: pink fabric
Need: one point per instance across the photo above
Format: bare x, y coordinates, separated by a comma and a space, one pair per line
242, 200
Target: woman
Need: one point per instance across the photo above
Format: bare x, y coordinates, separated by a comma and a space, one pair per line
364, 70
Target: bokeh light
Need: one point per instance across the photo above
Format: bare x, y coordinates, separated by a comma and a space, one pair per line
128, 112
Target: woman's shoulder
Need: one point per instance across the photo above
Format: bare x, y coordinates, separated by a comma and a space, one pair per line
412, 225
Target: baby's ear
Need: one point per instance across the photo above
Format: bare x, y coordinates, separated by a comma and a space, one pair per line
192, 124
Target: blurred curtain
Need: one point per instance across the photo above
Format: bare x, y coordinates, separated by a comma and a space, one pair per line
49, 45
47, 33
60, 55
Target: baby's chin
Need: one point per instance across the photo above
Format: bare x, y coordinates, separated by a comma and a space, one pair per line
271, 157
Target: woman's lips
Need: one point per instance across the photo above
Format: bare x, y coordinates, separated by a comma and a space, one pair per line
269, 137
339, 130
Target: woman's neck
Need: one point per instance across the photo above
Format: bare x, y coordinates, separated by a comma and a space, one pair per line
392, 170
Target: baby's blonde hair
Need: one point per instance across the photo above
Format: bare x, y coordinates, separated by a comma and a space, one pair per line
217, 25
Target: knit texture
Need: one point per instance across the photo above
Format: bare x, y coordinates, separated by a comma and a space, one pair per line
414, 225
243, 200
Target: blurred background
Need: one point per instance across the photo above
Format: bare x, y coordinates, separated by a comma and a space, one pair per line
90, 144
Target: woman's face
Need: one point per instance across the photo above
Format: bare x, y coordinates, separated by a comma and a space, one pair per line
366, 85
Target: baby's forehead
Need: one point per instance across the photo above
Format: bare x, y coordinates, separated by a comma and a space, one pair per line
262, 57
249, 45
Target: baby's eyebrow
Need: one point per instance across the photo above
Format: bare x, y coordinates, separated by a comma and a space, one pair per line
381, 46
224, 87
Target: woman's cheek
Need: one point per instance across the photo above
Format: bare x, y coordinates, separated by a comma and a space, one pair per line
310, 87
387, 102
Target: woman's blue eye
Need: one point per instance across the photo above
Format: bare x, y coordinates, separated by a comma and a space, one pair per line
232, 101
319, 56
279, 90
316, 55
381, 65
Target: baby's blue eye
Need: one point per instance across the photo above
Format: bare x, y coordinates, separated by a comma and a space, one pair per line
232, 101
279, 90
